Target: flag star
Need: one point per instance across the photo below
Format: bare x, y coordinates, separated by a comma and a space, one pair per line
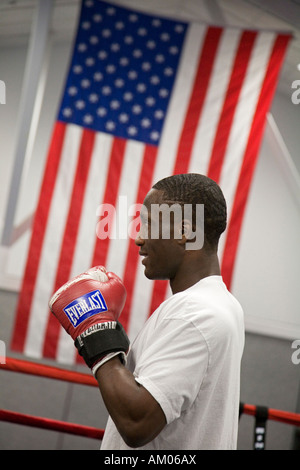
101, 112
132, 130
145, 122
123, 117
165, 37
115, 47
106, 90
168, 71
150, 101
151, 44
98, 76
90, 61
178, 28
82, 47
111, 11
119, 82
124, 61
137, 109
115, 104
154, 80
160, 58
128, 39
163, 92
80, 104
72, 90
133, 18
137, 53
110, 125
67, 112
77, 69
94, 40
156, 22
159, 114
173, 50
86, 25
93, 98
97, 18
142, 32
141, 87
154, 135
132, 74
88, 118
102, 55
119, 25
128, 96
85, 83
110, 68
146, 66
106, 33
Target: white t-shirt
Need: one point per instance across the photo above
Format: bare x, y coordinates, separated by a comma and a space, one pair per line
188, 357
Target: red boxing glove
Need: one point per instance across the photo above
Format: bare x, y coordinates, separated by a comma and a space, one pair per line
88, 308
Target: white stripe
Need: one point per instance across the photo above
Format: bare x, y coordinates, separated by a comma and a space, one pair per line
214, 101
243, 118
179, 101
141, 300
93, 197
130, 177
142, 292
52, 243
87, 230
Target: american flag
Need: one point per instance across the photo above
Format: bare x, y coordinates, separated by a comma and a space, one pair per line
145, 97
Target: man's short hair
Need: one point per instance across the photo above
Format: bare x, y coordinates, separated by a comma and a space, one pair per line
194, 188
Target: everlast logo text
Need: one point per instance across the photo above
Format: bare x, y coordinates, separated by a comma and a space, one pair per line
83, 307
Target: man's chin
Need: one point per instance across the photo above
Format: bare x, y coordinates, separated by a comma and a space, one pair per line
154, 275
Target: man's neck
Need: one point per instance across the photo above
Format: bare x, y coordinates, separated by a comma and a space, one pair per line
193, 270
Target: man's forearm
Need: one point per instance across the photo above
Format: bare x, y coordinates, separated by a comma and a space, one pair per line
136, 414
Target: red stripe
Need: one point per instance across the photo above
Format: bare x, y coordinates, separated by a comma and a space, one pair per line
132, 259
230, 103
197, 99
37, 238
110, 195
68, 245
186, 142
250, 156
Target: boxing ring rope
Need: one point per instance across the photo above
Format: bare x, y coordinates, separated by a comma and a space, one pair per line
27, 367
51, 424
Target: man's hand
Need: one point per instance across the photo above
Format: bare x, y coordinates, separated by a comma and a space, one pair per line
88, 307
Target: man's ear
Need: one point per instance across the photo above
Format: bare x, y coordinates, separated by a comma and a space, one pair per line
186, 231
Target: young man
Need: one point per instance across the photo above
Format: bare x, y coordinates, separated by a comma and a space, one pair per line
180, 386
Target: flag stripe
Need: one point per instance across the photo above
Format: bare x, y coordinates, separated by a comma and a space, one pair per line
52, 242
37, 237
70, 234
251, 154
132, 259
110, 195
231, 100
204, 71
195, 106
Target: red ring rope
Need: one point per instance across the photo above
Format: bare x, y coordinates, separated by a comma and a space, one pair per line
51, 424
26, 367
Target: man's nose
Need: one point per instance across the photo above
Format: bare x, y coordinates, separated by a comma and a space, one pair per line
139, 241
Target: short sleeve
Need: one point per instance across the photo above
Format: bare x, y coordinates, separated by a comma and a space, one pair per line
172, 368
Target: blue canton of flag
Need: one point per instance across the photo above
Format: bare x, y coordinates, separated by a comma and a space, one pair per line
122, 72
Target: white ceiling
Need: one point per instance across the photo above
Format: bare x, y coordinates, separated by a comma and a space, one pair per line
16, 17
